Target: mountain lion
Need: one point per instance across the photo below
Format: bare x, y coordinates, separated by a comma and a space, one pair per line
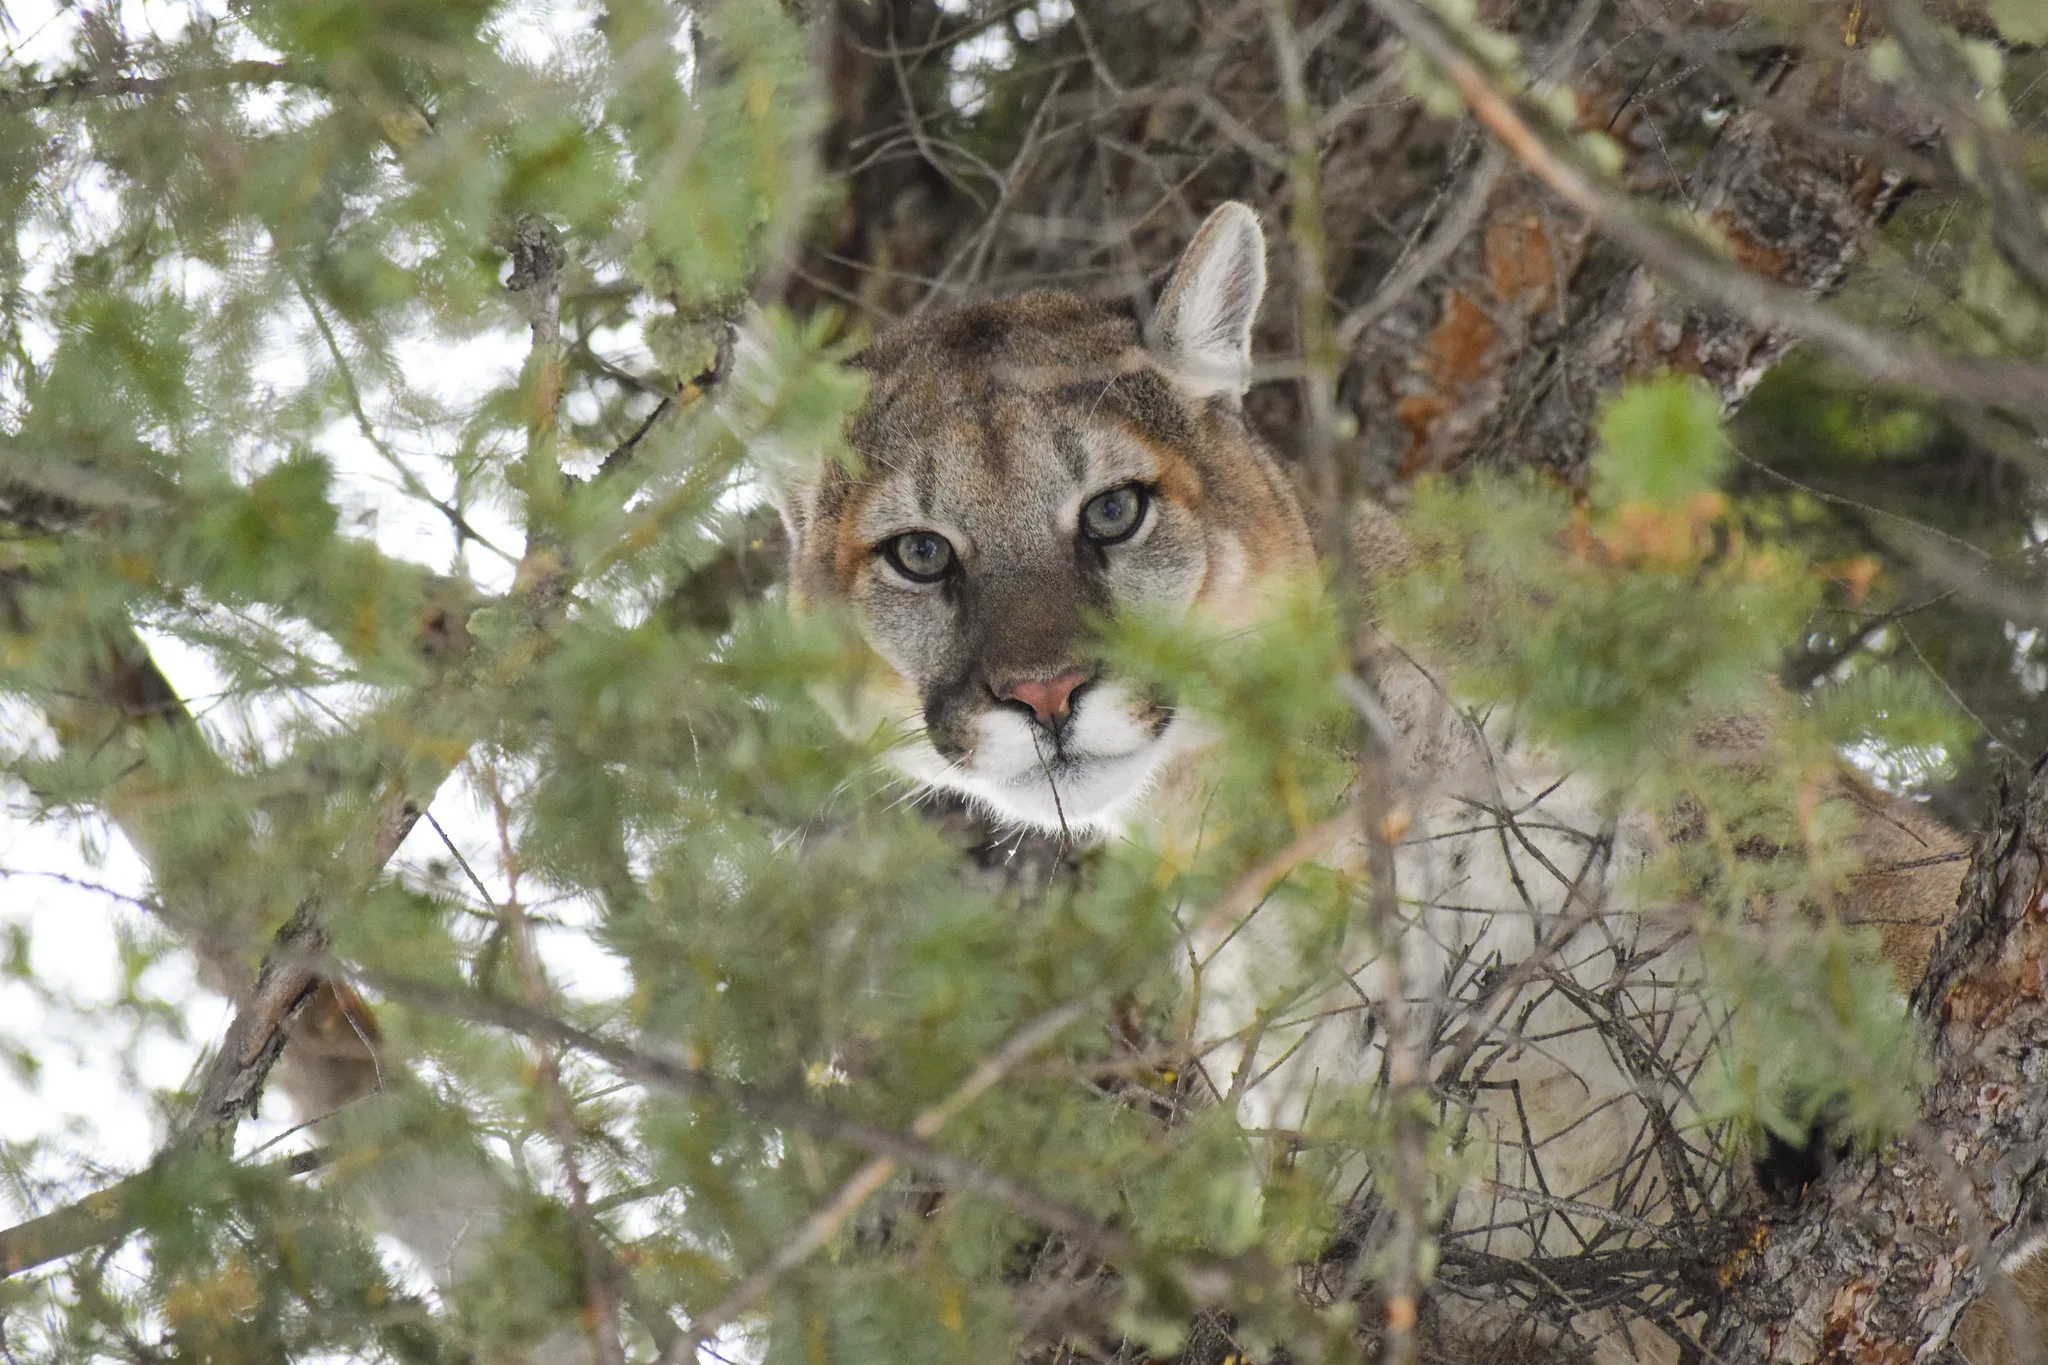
1034, 463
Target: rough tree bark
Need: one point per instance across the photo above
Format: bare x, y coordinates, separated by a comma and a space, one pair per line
1878, 1261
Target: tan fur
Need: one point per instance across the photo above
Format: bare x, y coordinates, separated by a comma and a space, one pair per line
994, 427
1912, 869
1982, 1336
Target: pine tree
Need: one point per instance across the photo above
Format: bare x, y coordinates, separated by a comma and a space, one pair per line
374, 363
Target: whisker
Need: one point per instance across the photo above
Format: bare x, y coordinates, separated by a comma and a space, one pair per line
1058, 809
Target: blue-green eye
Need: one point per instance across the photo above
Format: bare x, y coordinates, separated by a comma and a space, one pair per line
920, 556
1116, 515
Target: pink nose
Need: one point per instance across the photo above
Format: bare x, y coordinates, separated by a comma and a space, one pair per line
1051, 698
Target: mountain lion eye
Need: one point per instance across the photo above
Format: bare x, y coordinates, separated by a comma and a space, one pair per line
921, 556
1115, 515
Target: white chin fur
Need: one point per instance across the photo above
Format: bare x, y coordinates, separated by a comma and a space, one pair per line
1109, 761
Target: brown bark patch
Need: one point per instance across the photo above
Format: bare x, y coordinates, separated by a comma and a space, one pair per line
1684, 358
1983, 999
1750, 252
1456, 351
1593, 112
1842, 1334
1870, 184
1420, 412
1456, 355
1520, 262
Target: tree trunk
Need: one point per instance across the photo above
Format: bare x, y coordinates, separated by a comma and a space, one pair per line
1880, 1258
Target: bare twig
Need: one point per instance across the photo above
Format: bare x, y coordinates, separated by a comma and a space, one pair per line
1322, 355
1384, 814
1982, 153
1450, 233
1256, 885
600, 1270
406, 475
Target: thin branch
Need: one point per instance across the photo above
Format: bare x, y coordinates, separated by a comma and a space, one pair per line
759, 1102
1256, 885
1990, 161
1786, 113
1384, 811
1322, 356
1450, 233
89, 84
974, 250
1805, 672
692, 390
406, 476
822, 1224
601, 1272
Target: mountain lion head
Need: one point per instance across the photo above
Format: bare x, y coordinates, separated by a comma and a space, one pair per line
1028, 468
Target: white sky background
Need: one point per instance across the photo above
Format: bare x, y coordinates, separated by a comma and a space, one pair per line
74, 885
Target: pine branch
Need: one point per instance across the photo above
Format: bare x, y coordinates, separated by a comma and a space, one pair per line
774, 1106
96, 84
109, 1215
827, 1220
122, 701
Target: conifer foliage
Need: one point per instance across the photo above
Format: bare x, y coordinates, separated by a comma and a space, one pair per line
383, 561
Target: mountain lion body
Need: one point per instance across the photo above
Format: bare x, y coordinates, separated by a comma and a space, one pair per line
1029, 465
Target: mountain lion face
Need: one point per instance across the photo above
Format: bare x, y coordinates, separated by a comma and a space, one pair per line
1029, 468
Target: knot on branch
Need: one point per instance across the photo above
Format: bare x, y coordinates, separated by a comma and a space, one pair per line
536, 250
257, 1037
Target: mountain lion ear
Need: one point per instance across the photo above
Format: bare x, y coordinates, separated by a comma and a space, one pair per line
1202, 329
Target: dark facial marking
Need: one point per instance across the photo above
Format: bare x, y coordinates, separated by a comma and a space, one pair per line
949, 713
1066, 442
927, 481
994, 454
